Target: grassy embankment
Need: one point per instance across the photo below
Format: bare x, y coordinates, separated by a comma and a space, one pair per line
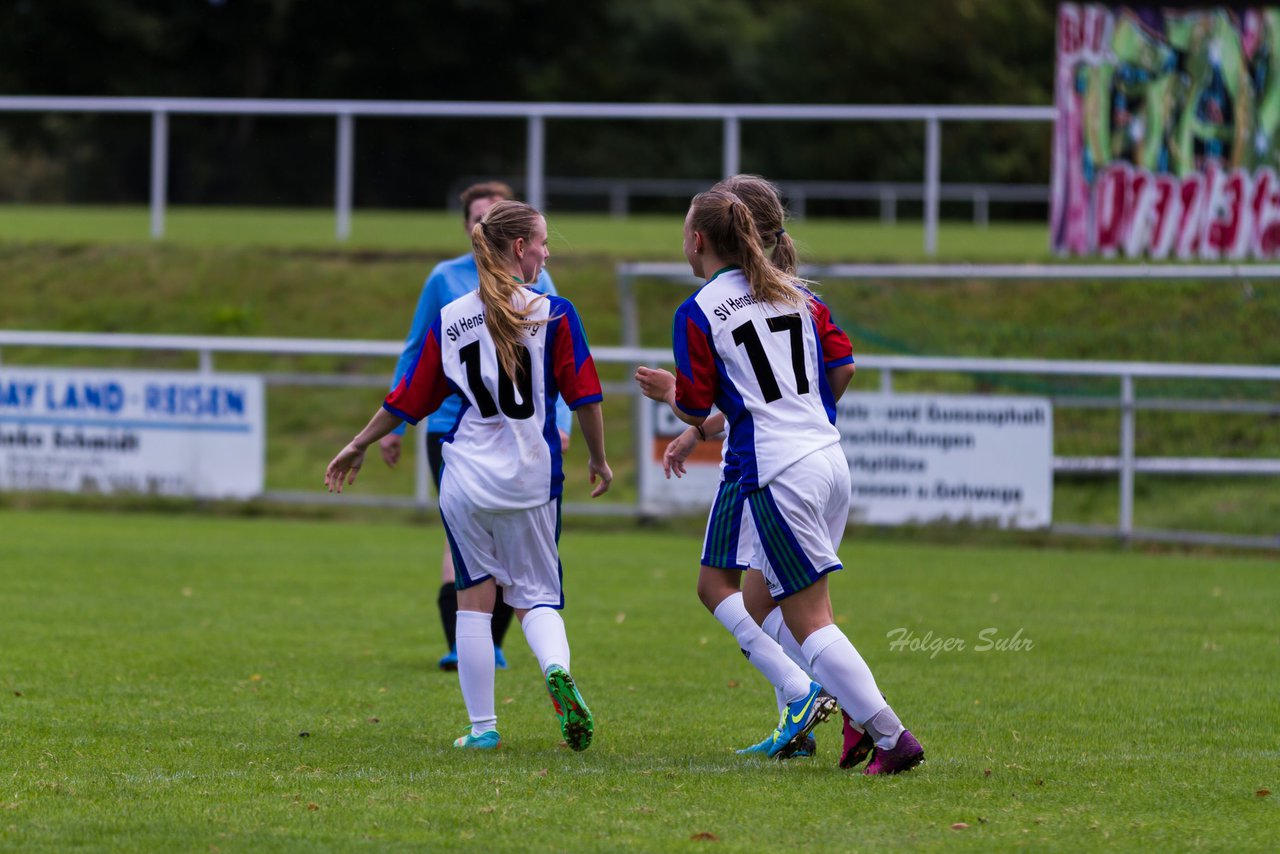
237, 272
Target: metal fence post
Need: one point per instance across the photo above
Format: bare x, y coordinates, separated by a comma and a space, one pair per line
159, 170
1128, 414
888, 206
344, 175
206, 361
619, 202
886, 381
932, 170
535, 163
732, 146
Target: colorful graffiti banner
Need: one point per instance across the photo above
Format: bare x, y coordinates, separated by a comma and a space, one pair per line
1166, 138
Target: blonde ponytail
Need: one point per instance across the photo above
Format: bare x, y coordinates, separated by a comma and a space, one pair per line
726, 222
492, 240
764, 199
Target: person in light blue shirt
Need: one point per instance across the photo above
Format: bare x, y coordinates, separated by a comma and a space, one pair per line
448, 281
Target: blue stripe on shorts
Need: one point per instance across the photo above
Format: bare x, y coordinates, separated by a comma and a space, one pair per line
787, 558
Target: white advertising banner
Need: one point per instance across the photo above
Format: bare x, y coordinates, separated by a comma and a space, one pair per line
121, 431
912, 459
926, 458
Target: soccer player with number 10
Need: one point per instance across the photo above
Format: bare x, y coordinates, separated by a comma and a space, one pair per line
508, 351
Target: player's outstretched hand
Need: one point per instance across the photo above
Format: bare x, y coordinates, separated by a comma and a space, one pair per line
656, 384
678, 450
389, 446
601, 476
346, 465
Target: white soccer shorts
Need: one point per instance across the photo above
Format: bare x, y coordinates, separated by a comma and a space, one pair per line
800, 517
516, 548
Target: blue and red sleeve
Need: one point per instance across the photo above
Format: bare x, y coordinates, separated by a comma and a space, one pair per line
697, 380
424, 386
574, 369
837, 350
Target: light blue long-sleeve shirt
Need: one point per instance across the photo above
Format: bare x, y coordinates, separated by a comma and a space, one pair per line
448, 281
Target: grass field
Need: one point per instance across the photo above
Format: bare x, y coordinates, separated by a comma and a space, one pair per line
188, 683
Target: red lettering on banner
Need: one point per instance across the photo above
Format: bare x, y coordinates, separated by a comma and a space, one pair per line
1097, 21
1111, 208
1191, 195
1070, 31
1165, 215
1141, 198
1225, 214
1264, 238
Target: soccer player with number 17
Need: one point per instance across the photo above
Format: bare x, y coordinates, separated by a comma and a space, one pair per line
749, 343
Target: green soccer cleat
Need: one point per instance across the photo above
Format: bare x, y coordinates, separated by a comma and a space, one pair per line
575, 718
484, 741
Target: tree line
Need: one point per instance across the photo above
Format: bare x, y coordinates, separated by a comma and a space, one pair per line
634, 51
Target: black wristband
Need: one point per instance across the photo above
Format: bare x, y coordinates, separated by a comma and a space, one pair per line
702, 433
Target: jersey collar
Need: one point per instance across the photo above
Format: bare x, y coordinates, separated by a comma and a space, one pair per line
723, 270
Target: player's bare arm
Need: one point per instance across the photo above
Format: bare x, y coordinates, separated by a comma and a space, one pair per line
389, 446
657, 384
591, 420
679, 448
346, 465
838, 379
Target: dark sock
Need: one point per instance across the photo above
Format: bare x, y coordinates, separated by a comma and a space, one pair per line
501, 619
448, 602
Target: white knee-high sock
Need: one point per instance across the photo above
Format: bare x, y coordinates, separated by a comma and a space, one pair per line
775, 628
842, 671
762, 651
475, 669
544, 630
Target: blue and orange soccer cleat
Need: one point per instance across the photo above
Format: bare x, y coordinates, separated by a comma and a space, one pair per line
798, 720
576, 724
484, 741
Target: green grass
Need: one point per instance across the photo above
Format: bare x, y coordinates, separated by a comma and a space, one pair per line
636, 237
159, 672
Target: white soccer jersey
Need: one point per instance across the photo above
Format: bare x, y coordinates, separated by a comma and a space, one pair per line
765, 367
504, 449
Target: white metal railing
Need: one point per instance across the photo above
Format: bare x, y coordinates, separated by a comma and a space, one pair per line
535, 115
1126, 463
620, 191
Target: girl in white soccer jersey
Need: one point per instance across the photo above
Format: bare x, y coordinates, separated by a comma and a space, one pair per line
750, 343
508, 351
740, 600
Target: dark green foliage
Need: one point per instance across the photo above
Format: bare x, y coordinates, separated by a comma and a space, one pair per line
634, 51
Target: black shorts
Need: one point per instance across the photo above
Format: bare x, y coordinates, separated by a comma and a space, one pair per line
435, 458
